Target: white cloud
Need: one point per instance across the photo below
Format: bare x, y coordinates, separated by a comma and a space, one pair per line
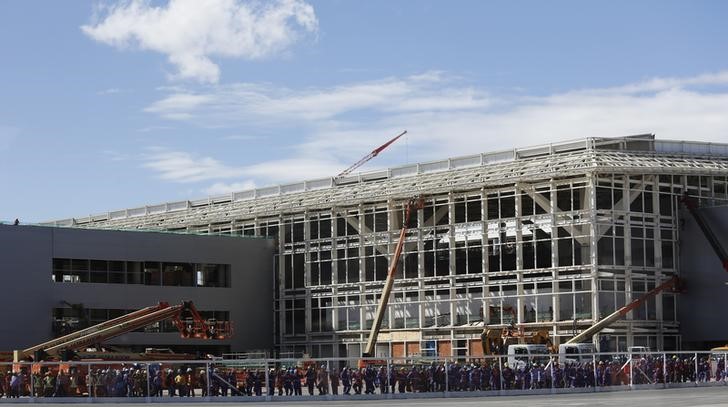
181, 166
245, 101
445, 119
221, 188
192, 32
109, 91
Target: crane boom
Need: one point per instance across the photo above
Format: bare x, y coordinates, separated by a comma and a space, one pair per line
184, 316
622, 311
371, 155
412, 205
94, 328
115, 330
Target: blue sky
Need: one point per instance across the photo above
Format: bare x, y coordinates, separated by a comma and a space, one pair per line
108, 105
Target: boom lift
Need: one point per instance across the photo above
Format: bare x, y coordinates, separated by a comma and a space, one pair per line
412, 206
692, 205
499, 339
671, 283
185, 317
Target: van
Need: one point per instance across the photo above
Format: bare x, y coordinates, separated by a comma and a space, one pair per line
576, 352
519, 356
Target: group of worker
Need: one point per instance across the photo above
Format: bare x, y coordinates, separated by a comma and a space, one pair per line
131, 381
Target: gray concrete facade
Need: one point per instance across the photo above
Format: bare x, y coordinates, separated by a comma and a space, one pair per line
29, 293
702, 306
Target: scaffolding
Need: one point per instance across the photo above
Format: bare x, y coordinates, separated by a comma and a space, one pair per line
552, 237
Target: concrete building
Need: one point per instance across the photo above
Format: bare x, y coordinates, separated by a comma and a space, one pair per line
46, 271
555, 237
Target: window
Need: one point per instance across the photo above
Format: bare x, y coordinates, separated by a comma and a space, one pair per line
135, 272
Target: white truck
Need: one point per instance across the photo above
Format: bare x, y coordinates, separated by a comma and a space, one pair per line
576, 352
521, 355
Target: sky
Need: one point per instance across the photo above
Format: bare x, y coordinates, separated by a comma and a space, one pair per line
106, 105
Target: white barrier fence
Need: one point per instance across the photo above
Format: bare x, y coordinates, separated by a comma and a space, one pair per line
341, 378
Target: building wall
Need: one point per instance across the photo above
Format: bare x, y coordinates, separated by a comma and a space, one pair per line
29, 295
560, 255
702, 305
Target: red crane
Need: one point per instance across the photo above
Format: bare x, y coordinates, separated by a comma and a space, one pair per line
371, 155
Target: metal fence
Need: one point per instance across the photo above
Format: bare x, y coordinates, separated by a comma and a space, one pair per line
337, 378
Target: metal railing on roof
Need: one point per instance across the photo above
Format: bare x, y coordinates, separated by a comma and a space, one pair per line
641, 143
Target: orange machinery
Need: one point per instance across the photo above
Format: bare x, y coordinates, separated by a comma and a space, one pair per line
184, 316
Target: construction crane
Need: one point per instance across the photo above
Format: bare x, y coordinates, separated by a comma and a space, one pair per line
412, 206
371, 155
184, 316
671, 283
692, 205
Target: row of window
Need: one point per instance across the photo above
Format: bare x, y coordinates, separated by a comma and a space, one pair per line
141, 272
439, 308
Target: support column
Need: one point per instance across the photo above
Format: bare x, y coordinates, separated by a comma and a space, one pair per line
335, 273
625, 209
554, 262
485, 260
593, 239
659, 315
519, 257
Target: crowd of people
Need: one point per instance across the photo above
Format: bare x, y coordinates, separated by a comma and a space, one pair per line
485, 375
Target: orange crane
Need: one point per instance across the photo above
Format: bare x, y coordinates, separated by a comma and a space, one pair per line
412, 206
185, 317
371, 155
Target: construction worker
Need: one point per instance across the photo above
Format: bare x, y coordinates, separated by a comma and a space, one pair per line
157, 384
271, 382
169, 383
297, 377
15, 385
48, 384
356, 380
382, 377
280, 378
180, 382
322, 380
310, 380
202, 382
392, 378
369, 377
258, 383
346, 380
289, 376
334, 379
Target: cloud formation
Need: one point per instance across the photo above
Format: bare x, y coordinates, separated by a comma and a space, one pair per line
245, 101
184, 167
192, 32
444, 118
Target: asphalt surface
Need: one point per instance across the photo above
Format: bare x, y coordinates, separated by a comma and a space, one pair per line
698, 397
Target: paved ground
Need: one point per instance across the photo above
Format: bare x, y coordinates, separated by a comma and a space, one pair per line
698, 397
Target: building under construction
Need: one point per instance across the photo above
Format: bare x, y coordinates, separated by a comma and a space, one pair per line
552, 237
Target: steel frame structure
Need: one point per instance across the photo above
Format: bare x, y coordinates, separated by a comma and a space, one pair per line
554, 236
